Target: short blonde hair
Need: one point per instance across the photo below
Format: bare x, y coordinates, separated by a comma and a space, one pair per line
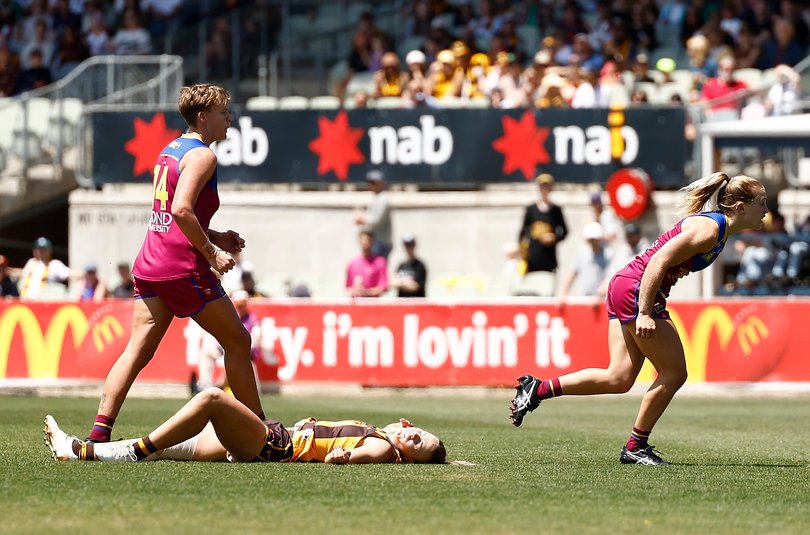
200, 97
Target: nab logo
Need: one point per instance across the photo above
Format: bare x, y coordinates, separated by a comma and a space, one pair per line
411, 145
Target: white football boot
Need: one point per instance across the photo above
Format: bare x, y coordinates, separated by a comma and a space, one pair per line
60, 443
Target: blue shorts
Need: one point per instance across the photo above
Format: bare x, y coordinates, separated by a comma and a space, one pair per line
185, 296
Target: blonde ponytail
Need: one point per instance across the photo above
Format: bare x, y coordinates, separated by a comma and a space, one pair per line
718, 193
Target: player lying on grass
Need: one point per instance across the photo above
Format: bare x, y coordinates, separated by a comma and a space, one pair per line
214, 426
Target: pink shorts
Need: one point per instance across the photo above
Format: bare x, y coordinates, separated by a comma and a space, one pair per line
622, 300
185, 296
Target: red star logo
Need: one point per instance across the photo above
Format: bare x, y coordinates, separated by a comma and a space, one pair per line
522, 145
150, 138
336, 146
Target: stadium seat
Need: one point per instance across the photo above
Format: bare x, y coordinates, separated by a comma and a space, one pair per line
361, 81
261, 103
324, 102
666, 91
293, 103
388, 103
751, 76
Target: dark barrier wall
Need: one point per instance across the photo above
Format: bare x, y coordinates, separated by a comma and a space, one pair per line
452, 147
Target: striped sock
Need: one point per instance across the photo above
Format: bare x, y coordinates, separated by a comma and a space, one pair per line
144, 448
84, 450
638, 439
102, 429
550, 388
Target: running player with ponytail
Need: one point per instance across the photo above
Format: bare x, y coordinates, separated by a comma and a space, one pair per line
714, 208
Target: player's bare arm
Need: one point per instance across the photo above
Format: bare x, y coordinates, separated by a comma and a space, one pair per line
196, 169
372, 450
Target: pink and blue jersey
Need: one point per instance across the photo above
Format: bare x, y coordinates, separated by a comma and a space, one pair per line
635, 269
622, 294
166, 253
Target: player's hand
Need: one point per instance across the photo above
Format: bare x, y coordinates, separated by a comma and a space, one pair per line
338, 456
221, 261
645, 326
229, 241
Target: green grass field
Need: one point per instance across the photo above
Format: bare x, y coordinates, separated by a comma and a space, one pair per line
743, 467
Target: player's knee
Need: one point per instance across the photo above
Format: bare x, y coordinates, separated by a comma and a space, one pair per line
676, 378
622, 383
238, 343
210, 396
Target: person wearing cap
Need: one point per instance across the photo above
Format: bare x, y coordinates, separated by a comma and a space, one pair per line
8, 288
44, 278
389, 81
605, 217
590, 264
376, 218
475, 78
410, 279
126, 284
542, 229
445, 78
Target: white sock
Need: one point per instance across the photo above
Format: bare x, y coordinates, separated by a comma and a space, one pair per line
179, 452
115, 452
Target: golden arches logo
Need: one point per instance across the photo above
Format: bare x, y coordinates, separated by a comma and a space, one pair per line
750, 333
105, 331
42, 348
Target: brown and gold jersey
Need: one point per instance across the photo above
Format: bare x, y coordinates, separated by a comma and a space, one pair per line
313, 440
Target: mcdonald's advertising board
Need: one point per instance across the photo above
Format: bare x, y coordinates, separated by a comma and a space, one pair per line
411, 343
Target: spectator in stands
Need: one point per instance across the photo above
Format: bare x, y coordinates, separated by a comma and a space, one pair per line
638, 97
642, 26
611, 88
445, 79
487, 24
8, 286
605, 217
376, 218
552, 87
791, 256
475, 79
785, 93
410, 279
9, 72
218, 50
700, 64
758, 253
510, 82
790, 10
35, 76
42, 41
418, 16
10, 15
64, 17
366, 275
641, 69
132, 38
719, 91
543, 227
165, 16
126, 285
44, 277
585, 82
249, 284
93, 287
782, 46
71, 52
583, 54
389, 81
417, 72
747, 49
36, 13
757, 16
590, 264
729, 22
359, 59
691, 23
98, 39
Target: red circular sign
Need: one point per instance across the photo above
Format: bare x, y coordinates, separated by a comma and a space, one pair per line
629, 191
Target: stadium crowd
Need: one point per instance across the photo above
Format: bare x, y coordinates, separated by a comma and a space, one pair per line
579, 54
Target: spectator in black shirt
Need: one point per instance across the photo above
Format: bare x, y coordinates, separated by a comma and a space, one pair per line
35, 76
411, 276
